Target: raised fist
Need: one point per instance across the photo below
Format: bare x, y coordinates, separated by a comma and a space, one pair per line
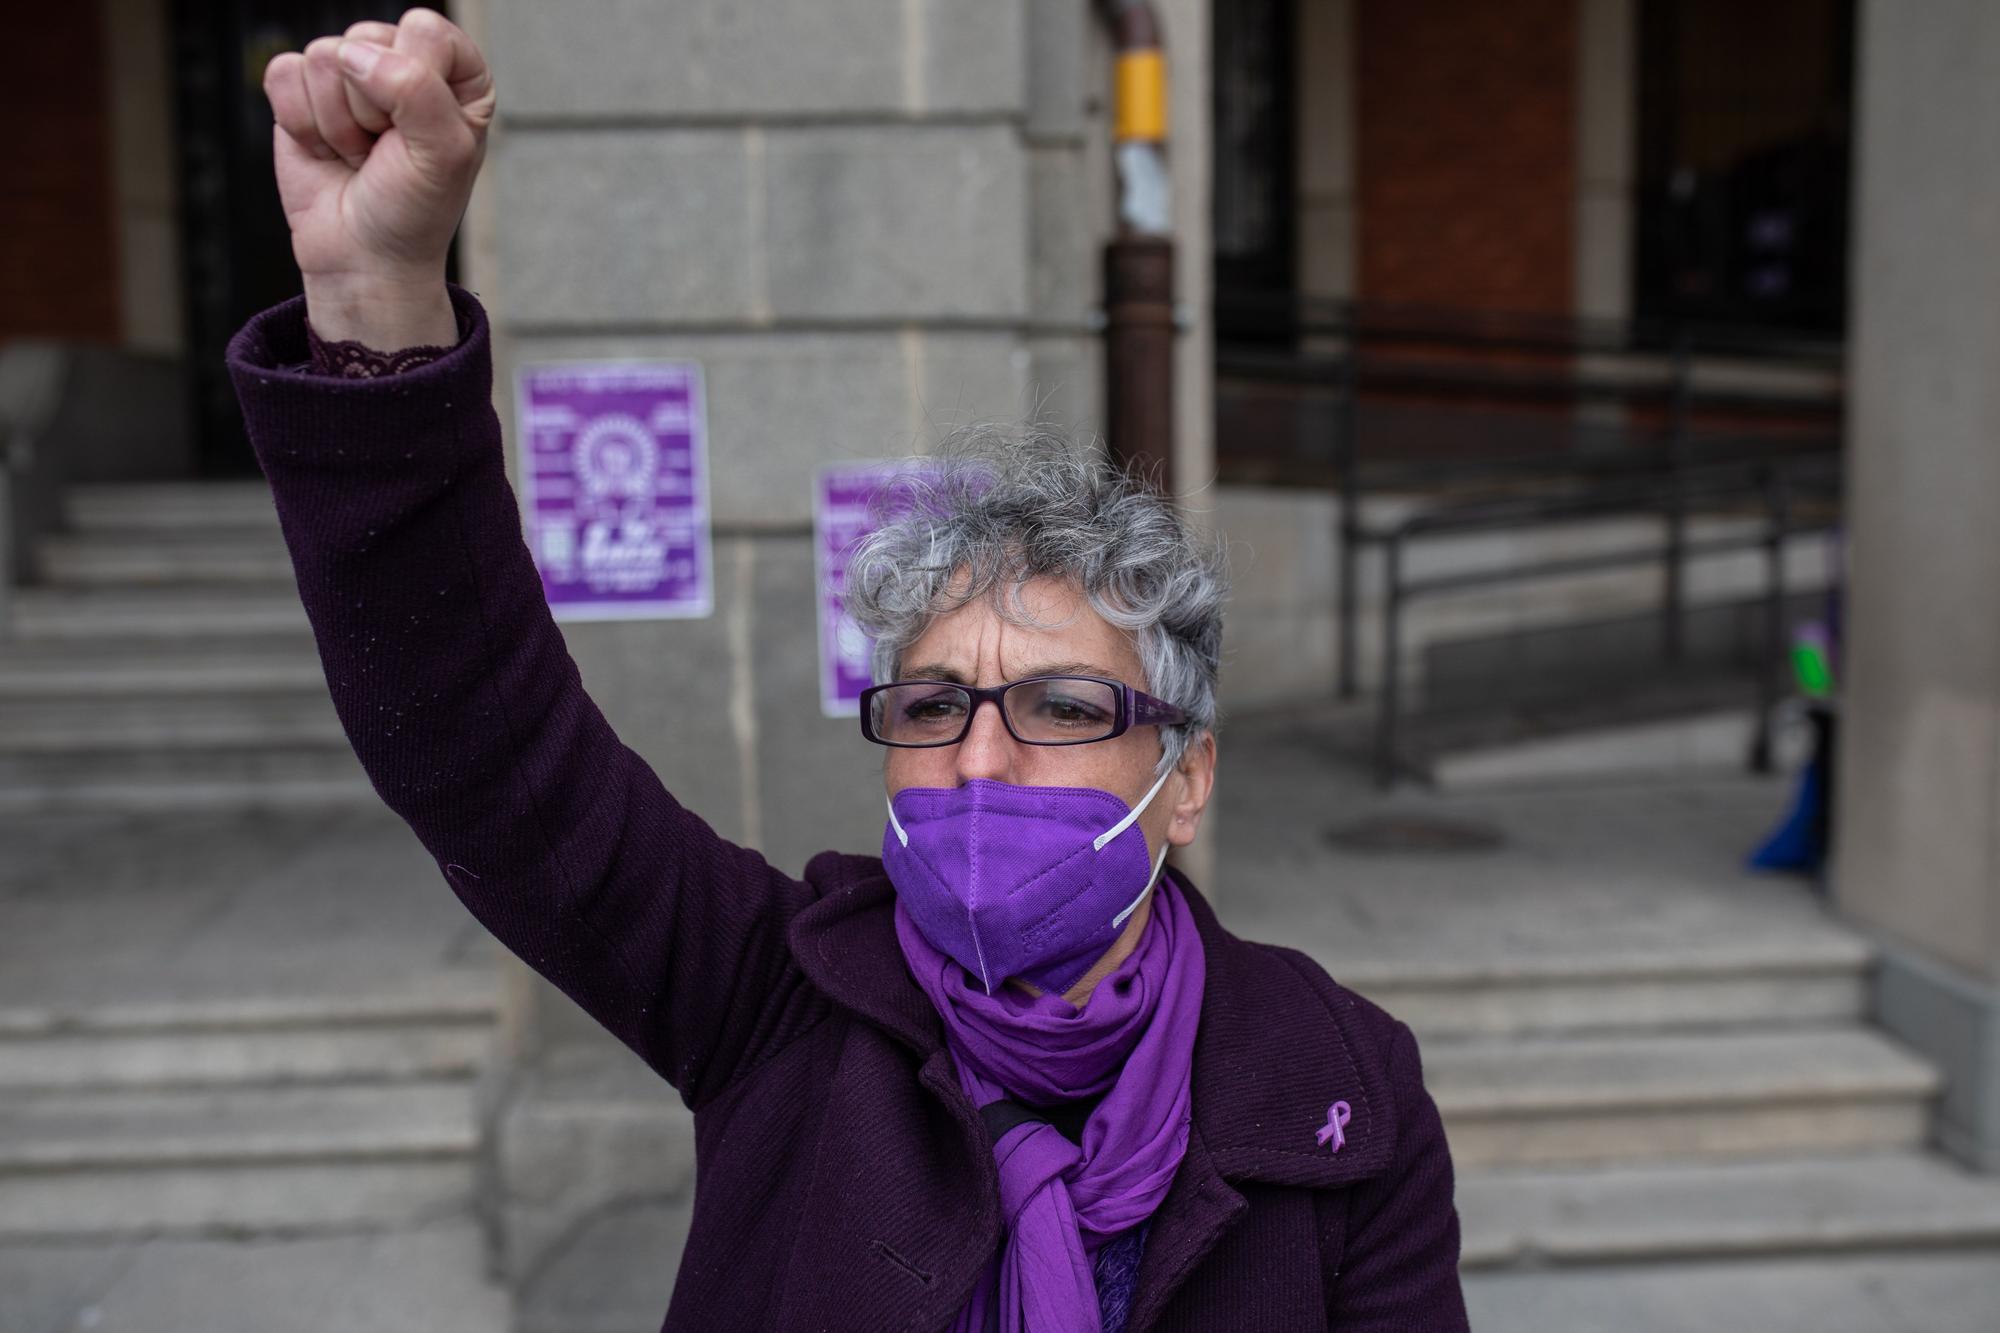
380, 134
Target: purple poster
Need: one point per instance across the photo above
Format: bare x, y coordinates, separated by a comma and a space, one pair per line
841, 518
614, 480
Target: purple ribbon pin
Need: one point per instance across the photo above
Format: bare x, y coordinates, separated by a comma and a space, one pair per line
1337, 1116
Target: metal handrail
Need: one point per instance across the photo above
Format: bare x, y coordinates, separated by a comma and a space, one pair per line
33, 376
1772, 484
1338, 344
1520, 331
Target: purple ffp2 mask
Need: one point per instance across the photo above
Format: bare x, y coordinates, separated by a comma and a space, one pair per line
1029, 882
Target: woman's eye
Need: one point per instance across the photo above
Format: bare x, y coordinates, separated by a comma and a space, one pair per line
1071, 710
931, 709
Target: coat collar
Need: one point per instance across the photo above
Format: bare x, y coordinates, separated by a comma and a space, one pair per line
1274, 1050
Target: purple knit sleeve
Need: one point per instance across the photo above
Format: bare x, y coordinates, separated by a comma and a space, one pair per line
458, 694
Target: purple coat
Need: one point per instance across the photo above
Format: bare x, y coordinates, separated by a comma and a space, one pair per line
845, 1180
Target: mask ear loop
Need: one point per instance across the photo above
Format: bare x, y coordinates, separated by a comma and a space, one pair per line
896, 823
1133, 906
1098, 843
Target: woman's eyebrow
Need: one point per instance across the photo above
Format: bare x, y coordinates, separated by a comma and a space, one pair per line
939, 671
933, 671
1068, 669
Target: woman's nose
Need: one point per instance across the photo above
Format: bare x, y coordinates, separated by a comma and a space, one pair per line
987, 751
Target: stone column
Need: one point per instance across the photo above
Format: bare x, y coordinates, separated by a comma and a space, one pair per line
1919, 803
1324, 134
1607, 103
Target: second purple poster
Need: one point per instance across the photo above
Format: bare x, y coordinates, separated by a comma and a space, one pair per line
845, 510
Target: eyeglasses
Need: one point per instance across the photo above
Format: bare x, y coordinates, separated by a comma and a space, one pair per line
1040, 710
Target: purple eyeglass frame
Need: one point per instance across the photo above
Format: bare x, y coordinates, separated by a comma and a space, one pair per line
1135, 708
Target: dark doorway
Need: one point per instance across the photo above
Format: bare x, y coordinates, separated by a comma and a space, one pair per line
237, 252
1255, 181
1743, 162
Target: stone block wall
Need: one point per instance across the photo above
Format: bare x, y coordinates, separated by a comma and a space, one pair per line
870, 223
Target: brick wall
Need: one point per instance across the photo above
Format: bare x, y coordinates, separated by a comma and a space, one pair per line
1465, 152
61, 274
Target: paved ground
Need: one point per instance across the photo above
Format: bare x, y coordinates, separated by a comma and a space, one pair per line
174, 911
96, 910
1631, 870
425, 1281
1905, 1294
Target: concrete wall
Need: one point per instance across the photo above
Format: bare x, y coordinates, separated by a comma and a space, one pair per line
1919, 817
1607, 112
869, 223
144, 179
1920, 809
1325, 146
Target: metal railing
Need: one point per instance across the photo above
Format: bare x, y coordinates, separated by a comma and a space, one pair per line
1772, 486
33, 377
1670, 463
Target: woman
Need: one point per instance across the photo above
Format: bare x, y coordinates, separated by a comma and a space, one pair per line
1009, 1075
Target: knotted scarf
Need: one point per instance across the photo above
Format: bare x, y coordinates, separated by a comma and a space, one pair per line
1133, 1041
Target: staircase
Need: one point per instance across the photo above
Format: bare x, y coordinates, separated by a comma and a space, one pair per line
163, 663
1667, 1106
1619, 1121
239, 1120
273, 1077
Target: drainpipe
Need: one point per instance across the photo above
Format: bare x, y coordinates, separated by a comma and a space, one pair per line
1139, 259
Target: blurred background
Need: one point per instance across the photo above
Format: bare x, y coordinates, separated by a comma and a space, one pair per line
1598, 398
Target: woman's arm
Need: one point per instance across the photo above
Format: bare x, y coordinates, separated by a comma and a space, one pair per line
447, 670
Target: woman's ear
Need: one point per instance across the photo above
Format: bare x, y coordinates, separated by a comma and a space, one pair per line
1197, 771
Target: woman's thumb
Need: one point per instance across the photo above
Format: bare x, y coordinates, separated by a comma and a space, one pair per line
414, 98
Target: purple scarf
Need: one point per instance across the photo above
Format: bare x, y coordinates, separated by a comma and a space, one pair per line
1060, 1202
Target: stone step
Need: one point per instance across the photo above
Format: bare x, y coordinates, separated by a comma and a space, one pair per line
177, 612
447, 998
1877, 1293
1547, 1101
158, 671
112, 559
1896, 1201
207, 1059
193, 506
1717, 740
1819, 981
429, 1277
237, 1202
185, 780
116, 725
608, 1276
233, 1126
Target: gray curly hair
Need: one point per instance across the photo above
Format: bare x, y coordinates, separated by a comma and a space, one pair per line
1007, 504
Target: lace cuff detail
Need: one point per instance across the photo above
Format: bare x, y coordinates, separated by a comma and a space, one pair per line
358, 361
